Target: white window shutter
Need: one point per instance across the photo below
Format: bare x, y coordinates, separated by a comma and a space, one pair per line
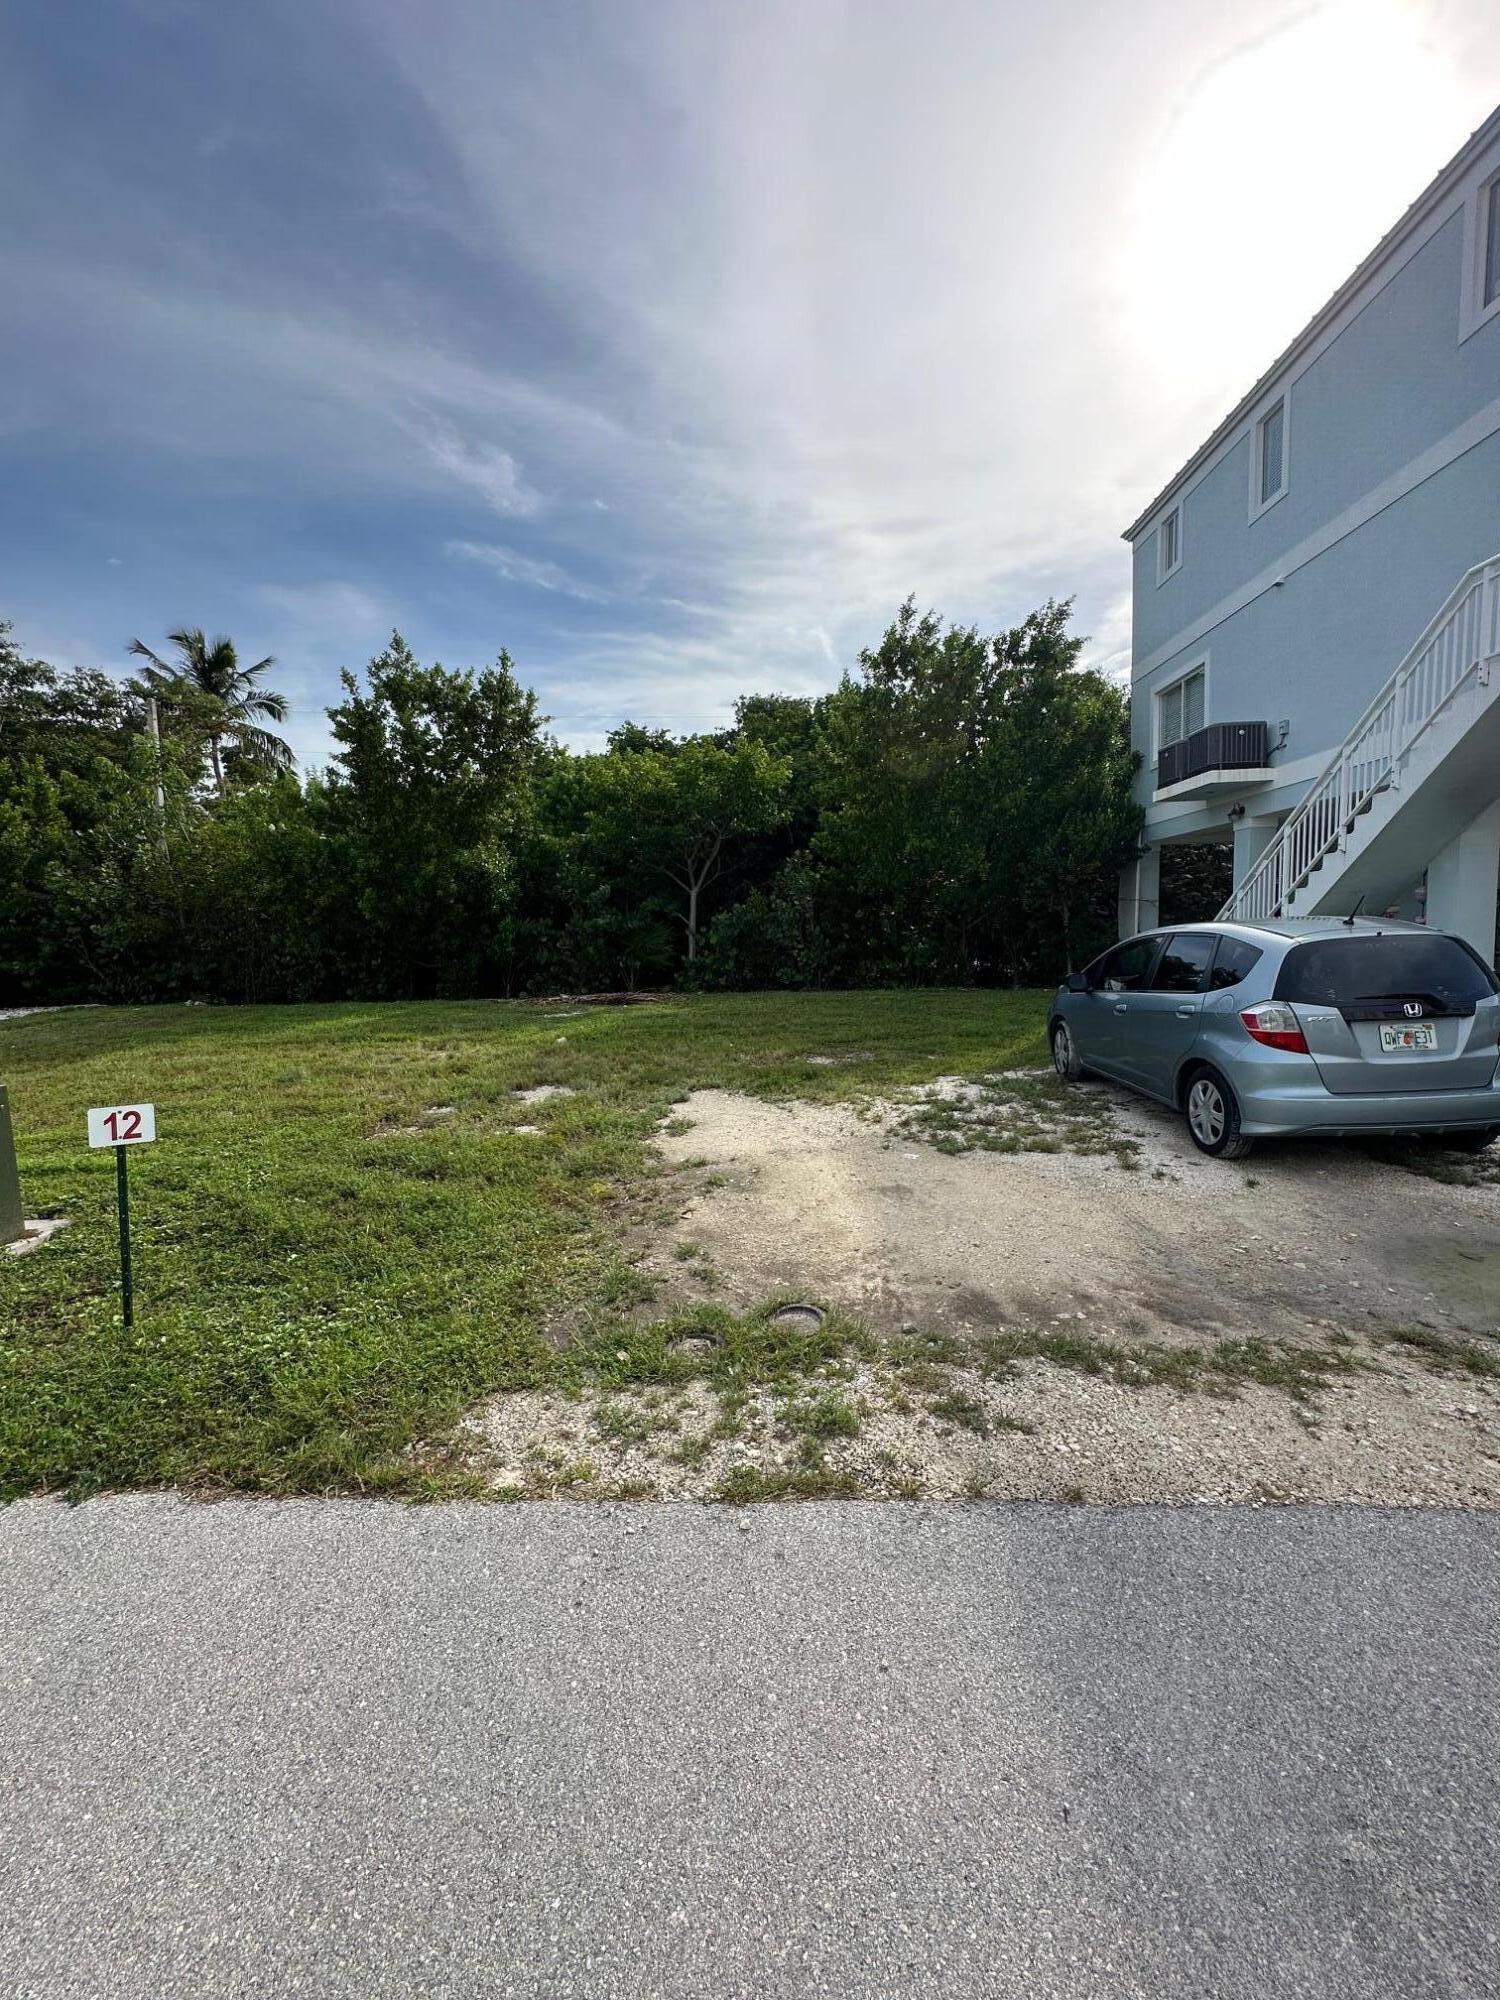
1192, 704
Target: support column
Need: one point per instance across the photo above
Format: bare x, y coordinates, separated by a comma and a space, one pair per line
1251, 839
1140, 893
1463, 884
12, 1223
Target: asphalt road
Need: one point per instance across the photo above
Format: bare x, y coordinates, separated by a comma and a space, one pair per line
337, 1749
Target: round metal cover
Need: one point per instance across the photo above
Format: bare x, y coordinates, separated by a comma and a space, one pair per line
798, 1315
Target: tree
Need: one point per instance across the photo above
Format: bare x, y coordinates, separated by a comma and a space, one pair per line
209, 683
678, 813
628, 738
65, 719
982, 794
1196, 880
430, 792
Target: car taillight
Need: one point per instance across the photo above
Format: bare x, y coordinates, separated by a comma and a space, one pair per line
1275, 1026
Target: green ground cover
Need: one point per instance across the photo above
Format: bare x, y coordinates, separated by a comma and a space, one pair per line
342, 1240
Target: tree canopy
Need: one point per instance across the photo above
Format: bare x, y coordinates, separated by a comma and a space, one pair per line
956, 810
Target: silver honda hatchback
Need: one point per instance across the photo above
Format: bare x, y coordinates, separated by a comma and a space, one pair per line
1312, 1027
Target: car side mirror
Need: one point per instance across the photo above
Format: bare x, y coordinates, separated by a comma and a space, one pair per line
1077, 982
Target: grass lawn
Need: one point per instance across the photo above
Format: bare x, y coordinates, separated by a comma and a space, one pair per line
342, 1240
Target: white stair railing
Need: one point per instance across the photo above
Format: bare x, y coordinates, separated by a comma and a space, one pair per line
1460, 640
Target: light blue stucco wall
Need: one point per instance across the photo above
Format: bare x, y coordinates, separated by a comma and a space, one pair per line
1394, 383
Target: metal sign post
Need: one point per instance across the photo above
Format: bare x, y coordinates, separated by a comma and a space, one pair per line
122, 1199
123, 1126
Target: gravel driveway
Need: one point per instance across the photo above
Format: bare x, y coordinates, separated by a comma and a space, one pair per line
1174, 1243
1317, 1323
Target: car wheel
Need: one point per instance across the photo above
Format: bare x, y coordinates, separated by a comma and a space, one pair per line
1213, 1118
1065, 1054
1470, 1142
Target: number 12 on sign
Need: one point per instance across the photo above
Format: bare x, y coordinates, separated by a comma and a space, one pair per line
123, 1126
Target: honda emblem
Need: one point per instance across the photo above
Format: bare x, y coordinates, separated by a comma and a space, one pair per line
1414, 1009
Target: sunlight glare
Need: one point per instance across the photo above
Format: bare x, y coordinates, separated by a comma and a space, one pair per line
1272, 179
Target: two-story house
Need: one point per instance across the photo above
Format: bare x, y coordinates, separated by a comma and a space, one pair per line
1316, 657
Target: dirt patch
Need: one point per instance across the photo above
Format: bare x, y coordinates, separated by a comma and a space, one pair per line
852, 1204
1055, 1297
578, 1001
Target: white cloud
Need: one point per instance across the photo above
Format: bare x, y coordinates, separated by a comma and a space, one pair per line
1272, 174
491, 470
313, 630
772, 315
904, 310
518, 568
1108, 648
320, 612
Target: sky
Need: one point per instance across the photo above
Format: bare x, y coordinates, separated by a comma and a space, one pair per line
667, 344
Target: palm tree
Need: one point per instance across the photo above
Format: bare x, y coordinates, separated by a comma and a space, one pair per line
234, 705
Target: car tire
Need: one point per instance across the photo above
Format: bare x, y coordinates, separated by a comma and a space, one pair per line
1470, 1142
1213, 1117
1065, 1054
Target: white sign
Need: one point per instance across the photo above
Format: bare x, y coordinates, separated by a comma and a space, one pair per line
123, 1125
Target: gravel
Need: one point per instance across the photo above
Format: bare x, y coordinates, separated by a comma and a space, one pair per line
837, 1201
344, 1749
1181, 1252
1400, 1436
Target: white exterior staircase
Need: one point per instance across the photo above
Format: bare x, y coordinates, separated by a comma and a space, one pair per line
1419, 765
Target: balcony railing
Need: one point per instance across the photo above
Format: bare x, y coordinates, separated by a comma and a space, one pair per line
1221, 746
1462, 644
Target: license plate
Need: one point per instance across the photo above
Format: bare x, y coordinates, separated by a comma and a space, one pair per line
1398, 1041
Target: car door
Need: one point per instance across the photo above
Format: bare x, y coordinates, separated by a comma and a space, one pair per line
1163, 1021
1101, 1022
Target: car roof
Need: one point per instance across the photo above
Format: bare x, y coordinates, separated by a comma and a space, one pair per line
1296, 929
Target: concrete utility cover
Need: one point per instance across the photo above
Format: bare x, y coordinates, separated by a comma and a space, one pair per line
35, 1234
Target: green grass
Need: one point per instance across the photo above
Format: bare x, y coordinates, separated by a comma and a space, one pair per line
1431, 1160
824, 1417
1444, 1353
328, 1274
748, 1483
964, 1411
1299, 1368
1023, 1114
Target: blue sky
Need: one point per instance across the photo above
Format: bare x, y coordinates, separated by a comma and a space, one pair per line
667, 345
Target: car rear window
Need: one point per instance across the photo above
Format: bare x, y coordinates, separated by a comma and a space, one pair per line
1349, 972
1232, 961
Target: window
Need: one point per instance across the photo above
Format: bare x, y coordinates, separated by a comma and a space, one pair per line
1480, 300
1270, 457
1168, 544
1180, 708
1365, 971
1183, 967
1232, 962
1127, 967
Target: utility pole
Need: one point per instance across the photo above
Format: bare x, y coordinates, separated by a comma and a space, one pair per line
12, 1220
153, 729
